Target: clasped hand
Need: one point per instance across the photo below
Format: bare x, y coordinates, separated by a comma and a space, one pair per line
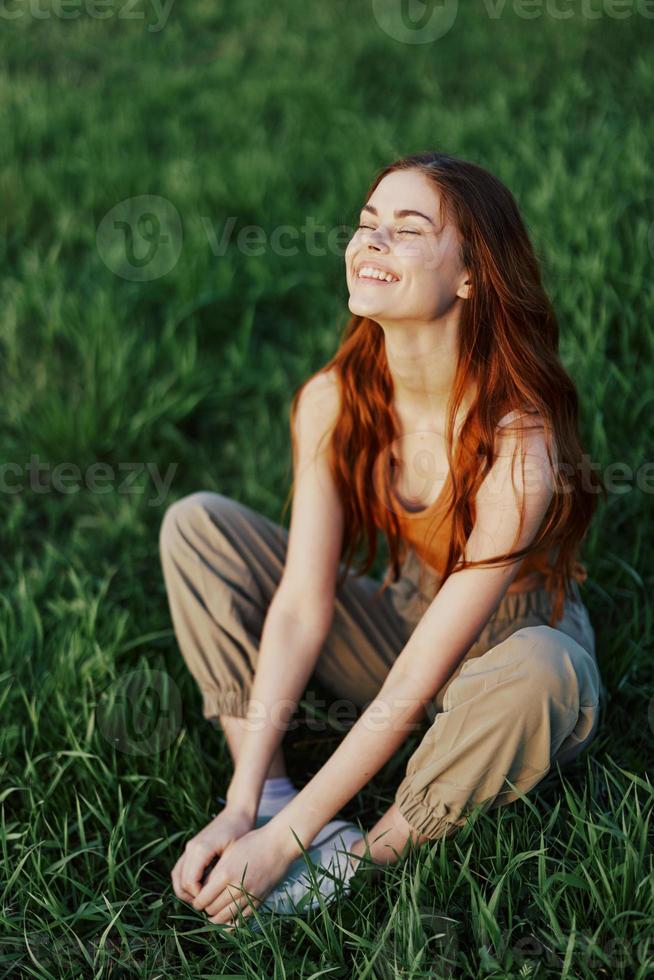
249, 860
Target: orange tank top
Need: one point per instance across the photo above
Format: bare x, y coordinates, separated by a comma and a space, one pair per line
429, 529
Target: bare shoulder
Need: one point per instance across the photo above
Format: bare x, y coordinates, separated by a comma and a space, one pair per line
525, 432
520, 419
322, 390
318, 406
307, 586
526, 428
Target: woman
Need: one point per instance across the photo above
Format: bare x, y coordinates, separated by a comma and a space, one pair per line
446, 421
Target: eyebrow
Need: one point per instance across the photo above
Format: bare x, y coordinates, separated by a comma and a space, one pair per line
402, 213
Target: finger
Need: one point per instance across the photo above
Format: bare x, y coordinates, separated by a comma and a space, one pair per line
223, 897
196, 858
216, 889
213, 887
231, 893
245, 911
176, 877
230, 911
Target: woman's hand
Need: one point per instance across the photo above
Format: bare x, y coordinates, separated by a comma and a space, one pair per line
266, 861
230, 825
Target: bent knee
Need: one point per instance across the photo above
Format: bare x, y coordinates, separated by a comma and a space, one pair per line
180, 516
546, 658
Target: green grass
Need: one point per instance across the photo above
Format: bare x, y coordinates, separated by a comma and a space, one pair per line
276, 114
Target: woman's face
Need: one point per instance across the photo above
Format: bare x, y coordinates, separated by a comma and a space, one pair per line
421, 256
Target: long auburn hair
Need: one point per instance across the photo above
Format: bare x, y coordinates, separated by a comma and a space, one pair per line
509, 338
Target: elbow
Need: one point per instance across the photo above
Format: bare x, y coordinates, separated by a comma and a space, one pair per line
407, 696
403, 679
315, 616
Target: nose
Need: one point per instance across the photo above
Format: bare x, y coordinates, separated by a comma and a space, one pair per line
375, 242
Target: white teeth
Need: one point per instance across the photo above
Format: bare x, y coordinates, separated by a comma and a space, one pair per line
368, 272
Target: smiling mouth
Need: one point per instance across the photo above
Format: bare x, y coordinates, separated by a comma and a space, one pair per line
372, 274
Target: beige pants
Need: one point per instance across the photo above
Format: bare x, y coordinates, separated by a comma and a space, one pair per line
523, 696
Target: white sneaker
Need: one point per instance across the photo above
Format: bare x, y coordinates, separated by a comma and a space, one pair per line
296, 894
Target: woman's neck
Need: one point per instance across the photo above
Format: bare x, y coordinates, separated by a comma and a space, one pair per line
422, 364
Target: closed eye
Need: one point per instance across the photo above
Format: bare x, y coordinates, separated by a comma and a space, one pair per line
401, 231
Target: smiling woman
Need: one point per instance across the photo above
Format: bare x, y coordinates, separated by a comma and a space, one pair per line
466, 329
448, 370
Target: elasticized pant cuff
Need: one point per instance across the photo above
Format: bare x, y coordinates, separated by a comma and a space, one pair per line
431, 821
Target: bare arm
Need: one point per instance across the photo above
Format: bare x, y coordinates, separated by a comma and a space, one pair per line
457, 614
301, 611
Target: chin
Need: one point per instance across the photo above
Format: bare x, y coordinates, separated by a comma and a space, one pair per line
363, 309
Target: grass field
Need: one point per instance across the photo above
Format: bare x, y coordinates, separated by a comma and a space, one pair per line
137, 371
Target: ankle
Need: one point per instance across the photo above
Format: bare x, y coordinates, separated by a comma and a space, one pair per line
275, 794
277, 772
273, 782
